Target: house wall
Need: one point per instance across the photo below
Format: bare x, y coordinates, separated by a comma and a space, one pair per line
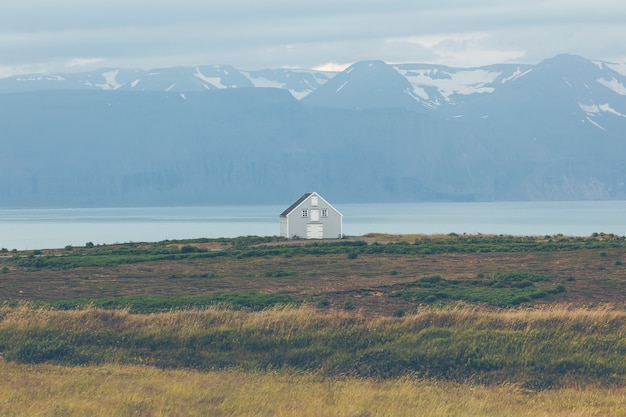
297, 224
284, 227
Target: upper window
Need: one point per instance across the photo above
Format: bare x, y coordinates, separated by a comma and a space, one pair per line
314, 201
305, 213
324, 212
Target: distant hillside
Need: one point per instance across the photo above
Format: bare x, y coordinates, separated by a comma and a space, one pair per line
374, 132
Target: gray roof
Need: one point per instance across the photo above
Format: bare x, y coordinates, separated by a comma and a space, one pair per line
295, 204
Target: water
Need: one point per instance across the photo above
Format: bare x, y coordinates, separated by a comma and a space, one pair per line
55, 228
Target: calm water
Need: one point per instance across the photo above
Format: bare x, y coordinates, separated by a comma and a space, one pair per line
56, 228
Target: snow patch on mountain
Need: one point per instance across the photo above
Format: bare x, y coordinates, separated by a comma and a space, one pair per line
594, 109
464, 82
614, 85
419, 92
619, 68
110, 80
594, 123
517, 74
342, 86
214, 81
263, 82
287, 80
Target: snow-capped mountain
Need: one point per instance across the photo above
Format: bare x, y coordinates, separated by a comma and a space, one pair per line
374, 132
376, 84
180, 79
369, 84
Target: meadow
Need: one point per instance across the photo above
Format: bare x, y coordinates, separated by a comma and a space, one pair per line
376, 325
131, 390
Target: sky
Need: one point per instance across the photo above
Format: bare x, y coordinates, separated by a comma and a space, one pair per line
82, 35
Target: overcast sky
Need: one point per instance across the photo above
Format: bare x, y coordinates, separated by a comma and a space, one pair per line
80, 35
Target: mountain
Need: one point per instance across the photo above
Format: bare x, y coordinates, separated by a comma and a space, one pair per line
366, 85
179, 79
375, 132
411, 86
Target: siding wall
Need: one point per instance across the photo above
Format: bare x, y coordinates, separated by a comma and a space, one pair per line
297, 224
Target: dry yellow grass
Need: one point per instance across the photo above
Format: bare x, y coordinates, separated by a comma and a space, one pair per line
293, 320
305, 318
115, 390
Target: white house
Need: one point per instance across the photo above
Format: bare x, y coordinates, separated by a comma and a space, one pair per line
311, 217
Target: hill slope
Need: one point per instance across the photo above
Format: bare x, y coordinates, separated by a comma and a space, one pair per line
375, 132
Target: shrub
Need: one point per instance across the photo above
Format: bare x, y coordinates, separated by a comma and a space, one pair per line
189, 249
503, 289
322, 302
278, 273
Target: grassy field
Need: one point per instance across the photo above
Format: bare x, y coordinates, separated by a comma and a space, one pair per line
378, 274
114, 390
376, 325
537, 349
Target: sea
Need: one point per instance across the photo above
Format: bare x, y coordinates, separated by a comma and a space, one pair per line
47, 228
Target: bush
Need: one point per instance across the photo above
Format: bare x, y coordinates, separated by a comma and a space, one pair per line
278, 273
348, 305
322, 302
189, 249
503, 289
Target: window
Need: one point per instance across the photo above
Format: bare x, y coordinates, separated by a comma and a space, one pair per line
305, 213
314, 201
324, 212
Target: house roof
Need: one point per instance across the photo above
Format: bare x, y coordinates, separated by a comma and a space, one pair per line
301, 199
295, 204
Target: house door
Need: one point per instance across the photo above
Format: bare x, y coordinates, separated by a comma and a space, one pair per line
315, 215
315, 230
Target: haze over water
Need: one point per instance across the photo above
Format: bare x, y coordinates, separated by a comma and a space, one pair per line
55, 228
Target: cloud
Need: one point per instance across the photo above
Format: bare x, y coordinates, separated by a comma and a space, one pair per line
82, 62
461, 49
283, 33
332, 66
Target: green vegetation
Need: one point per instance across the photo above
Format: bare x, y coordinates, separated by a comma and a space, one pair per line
154, 304
503, 289
538, 349
253, 246
378, 274
492, 310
